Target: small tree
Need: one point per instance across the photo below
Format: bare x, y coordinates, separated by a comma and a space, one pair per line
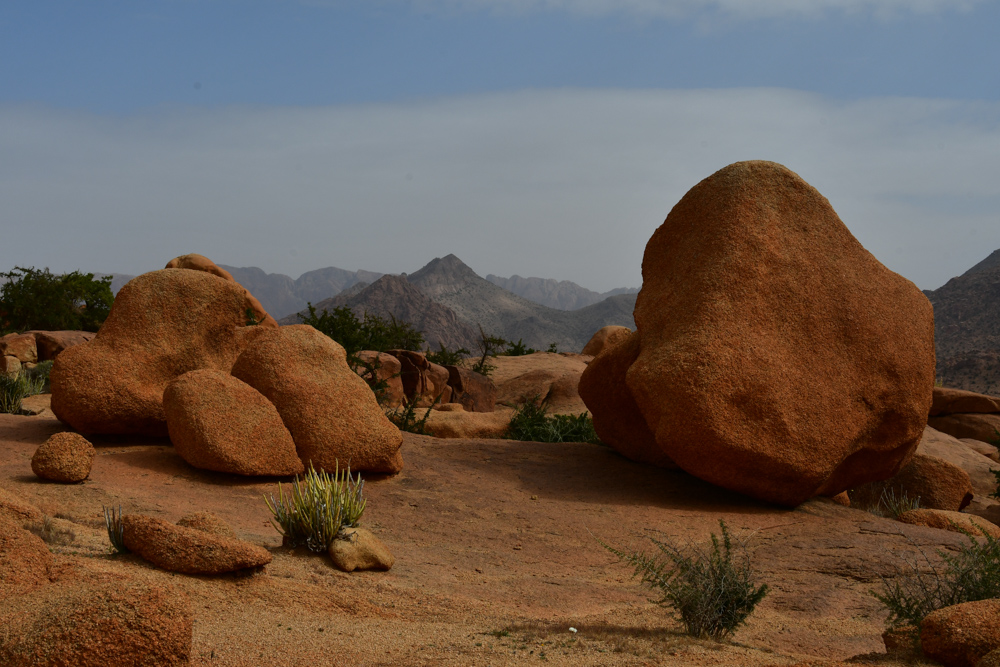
37, 299
489, 346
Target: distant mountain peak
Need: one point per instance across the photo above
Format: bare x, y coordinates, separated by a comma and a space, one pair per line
990, 262
442, 275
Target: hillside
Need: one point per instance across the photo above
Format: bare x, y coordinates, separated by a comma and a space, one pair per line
967, 328
394, 296
281, 296
559, 294
477, 301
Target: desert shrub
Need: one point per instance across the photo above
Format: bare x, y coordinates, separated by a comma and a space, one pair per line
405, 418
15, 388
518, 349
116, 529
882, 500
318, 507
39, 377
47, 530
530, 423
446, 357
712, 590
371, 332
37, 299
553, 348
489, 346
967, 576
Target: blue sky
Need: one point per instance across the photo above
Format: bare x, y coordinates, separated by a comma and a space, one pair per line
539, 137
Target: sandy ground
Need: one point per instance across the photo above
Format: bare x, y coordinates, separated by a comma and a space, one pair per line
496, 558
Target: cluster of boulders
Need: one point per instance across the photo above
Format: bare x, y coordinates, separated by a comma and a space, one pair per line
25, 350
188, 352
773, 355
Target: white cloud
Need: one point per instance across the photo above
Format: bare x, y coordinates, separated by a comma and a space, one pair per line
565, 184
740, 9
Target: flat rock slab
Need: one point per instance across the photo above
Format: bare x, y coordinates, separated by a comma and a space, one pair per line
189, 550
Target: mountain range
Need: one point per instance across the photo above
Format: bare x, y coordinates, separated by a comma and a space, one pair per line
449, 302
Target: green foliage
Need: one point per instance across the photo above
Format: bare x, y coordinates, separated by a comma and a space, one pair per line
489, 346
967, 576
712, 591
882, 500
518, 349
446, 357
369, 333
251, 318
530, 423
37, 299
405, 418
39, 377
15, 388
553, 348
318, 507
116, 529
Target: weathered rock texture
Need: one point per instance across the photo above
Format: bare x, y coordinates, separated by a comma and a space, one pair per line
451, 423
617, 419
20, 346
387, 369
960, 635
331, 413
64, 457
220, 423
359, 549
474, 391
16, 509
976, 425
162, 325
948, 401
957, 522
423, 381
25, 561
777, 357
51, 344
197, 262
554, 378
207, 523
189, 550
937, 483
97, 621
604, 338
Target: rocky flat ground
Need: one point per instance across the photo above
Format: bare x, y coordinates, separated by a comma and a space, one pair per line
496, 558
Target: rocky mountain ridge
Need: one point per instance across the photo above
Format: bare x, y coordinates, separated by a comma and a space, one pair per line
559, 294
967, 328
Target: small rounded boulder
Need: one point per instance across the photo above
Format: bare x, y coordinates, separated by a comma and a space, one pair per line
64, 457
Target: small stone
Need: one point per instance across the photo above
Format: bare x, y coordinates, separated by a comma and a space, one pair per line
359, 549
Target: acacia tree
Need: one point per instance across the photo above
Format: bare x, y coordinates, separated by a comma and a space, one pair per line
37, 299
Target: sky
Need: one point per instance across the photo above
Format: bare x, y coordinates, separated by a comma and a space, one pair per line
541, 138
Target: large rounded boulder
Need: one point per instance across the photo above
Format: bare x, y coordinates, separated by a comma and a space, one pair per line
777, 357
220, 423
331, 413
162, 325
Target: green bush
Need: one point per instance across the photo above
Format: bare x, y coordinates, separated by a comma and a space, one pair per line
530, 423
446, 357
711, 590
318, 507
371, 332
116, 529
33, 299
15, 388
39, 377
882, 500
967, 576
518, 349
405, 418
